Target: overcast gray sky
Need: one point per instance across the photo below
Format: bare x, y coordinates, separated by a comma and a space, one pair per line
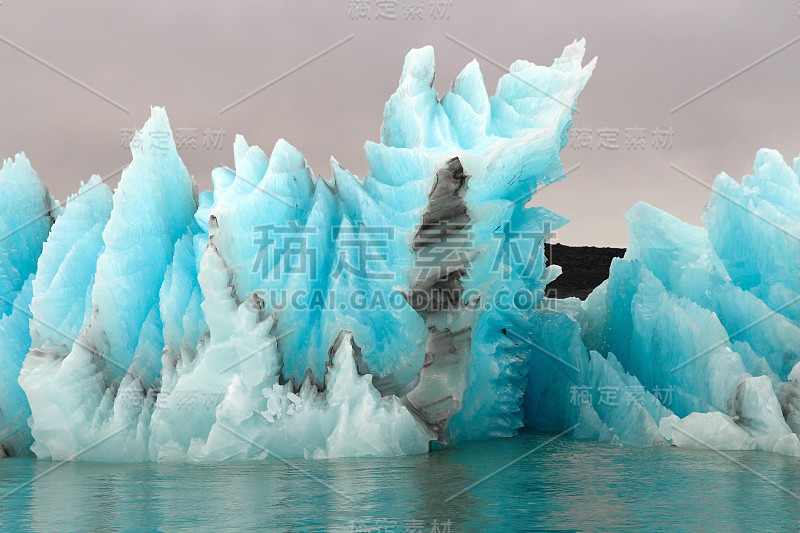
196, 58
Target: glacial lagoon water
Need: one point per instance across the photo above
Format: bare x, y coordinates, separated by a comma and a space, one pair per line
562, 484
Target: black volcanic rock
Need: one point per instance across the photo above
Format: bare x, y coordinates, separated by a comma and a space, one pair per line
584, 268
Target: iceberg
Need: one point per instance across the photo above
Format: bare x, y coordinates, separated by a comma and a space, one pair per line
284, 313
705, 318
27, 212
290, 315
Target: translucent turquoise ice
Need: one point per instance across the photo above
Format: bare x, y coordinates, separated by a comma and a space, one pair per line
704, 318
154, 323
295, 315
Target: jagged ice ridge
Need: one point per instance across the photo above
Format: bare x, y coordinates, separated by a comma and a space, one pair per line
302, 316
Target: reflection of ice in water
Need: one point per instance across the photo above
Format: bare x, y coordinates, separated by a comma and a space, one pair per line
567, 484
